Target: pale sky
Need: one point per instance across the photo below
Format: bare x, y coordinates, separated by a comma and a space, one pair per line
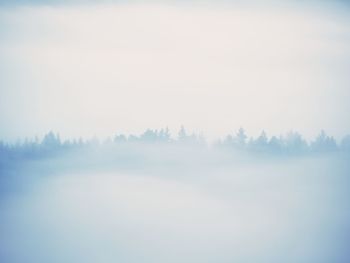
100, 69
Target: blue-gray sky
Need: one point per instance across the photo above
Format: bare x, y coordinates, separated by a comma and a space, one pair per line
85, 69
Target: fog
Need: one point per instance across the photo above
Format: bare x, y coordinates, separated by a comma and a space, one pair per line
175, 203
95, 69
91, 68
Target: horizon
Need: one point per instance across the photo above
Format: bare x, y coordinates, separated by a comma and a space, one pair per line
173, 135
290, 144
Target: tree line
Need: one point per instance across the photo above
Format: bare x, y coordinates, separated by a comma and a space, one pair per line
291, 143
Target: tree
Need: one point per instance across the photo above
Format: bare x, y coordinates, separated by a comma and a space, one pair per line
182, 136
260, 143
262, 139
51, 141
241, 137
323, 143
164, 135
294, 143
149, 136
345, 143
275, 144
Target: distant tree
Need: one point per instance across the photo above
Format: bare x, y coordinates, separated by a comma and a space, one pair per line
323, 143
133, 138
237, 141
262, 139
75, 143
260, 143
275, 145
120, 138
294, 143
345, 143
240, 139
182, 136
51, 141
164, 135
67, 144
149, 136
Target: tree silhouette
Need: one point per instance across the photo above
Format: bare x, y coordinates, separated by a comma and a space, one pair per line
323, 143
292, 143
345, 143
295, 143
240, 138
182, 136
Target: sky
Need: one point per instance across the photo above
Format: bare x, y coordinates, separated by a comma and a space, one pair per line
85, 68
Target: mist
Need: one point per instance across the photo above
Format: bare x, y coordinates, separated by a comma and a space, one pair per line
183, 200
96, 164
94, 69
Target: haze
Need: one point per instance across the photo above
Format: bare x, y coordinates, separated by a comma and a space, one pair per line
96, 69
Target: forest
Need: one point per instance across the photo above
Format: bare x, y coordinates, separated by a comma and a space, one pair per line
292, 143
